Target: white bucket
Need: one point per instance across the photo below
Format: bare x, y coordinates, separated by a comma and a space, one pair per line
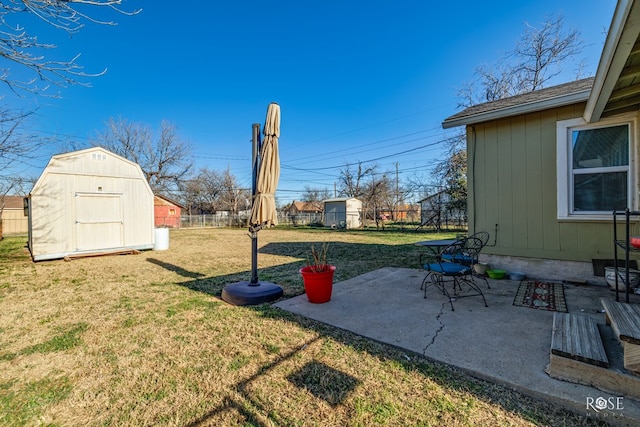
481, 268
162, 239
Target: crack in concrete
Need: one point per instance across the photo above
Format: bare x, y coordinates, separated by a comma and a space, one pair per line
433, 339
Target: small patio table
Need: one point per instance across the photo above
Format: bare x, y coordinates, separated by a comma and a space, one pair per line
436, 246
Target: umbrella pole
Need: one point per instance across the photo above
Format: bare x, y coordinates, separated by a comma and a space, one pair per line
254, 182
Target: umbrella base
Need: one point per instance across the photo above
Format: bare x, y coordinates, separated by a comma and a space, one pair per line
246, 293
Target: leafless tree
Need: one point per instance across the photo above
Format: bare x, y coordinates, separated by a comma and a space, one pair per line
378, 196
21, 48
165, 160
210, 191
233, 198
352, 181
18, 149
539, 56
313, 195
202, 192
15, 145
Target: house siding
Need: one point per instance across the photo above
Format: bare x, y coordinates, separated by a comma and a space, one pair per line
166, 213
512, 172
13, 220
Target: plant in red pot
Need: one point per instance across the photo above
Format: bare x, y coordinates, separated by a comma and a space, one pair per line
317, 276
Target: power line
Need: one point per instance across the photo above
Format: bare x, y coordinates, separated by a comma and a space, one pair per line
368, 145
377, 158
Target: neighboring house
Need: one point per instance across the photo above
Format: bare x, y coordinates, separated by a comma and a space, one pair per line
304, 207
547, 168
301, 213
166, 212
343, 212
402, 212
13, 220
89, 201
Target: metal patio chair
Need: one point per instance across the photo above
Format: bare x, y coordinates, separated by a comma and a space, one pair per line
452, 277
471, 252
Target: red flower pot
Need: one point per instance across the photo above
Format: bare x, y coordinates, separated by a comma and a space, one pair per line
318, 285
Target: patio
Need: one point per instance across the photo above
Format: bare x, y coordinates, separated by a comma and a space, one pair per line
501, 343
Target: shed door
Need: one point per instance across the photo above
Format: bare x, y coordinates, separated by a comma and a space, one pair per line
99, 221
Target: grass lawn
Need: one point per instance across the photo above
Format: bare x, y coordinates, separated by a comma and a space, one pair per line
145, 340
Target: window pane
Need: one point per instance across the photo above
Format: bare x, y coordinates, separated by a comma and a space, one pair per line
600, 192
596, 148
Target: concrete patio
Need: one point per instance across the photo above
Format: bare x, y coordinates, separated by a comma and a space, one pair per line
501, 343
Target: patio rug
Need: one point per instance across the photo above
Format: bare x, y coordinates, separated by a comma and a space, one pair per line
541, 295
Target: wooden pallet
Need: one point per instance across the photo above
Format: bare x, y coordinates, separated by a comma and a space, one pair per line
578, 355
625, 322
577, 337
106, 253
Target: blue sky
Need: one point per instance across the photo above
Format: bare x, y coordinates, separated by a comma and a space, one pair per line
356, 80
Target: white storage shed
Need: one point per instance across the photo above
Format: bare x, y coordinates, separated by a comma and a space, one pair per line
89, 201
343, 212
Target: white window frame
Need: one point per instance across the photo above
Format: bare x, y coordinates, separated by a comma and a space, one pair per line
564, 154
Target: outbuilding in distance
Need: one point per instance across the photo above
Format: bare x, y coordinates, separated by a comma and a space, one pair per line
89, 201
343, 212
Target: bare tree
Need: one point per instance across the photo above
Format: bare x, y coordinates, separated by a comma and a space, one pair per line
16, 147
232, 197
202, 192
23, 49
538, 57
165, 160
542, 51
211, 191
377, 196
313, 195
351, 182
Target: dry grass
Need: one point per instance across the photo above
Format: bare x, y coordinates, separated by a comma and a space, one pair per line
145, 340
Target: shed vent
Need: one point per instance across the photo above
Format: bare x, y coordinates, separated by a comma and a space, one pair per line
98, 156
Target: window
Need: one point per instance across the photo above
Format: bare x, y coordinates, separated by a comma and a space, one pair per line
594, 168
172, 211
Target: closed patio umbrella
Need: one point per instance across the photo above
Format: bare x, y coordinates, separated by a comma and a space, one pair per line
263, 210
266, 173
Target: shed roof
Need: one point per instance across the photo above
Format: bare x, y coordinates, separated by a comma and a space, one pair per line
555, 96
12, 202
63, 161
160, 200
307, 206
339, 199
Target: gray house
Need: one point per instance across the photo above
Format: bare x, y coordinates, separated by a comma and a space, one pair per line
548, 168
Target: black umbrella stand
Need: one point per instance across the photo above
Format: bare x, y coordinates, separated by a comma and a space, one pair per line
254, 291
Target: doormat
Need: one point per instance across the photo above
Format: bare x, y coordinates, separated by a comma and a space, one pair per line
541, 295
